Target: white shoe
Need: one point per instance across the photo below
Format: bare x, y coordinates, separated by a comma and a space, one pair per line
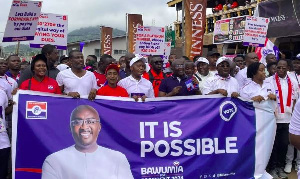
288, 168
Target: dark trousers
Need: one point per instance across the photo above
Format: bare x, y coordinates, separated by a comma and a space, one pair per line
280, 146
4, 157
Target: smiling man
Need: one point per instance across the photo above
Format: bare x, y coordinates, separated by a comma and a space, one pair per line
86, 159
75, 81
222, 83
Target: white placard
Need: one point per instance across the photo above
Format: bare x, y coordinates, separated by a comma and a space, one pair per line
22, 21
150, 40
52, 29
256, 29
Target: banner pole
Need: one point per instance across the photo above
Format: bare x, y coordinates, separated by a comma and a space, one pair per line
183, 26
18, 48
126, 32
236, 48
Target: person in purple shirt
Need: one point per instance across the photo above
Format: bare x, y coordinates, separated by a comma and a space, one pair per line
178, 84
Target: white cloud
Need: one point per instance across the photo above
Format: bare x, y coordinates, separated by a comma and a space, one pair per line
84, 13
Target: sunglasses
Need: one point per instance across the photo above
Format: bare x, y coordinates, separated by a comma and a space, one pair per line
158, 62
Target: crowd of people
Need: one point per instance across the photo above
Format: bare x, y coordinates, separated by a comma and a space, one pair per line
138, 77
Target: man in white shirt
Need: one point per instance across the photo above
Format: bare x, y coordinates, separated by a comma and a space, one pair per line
212, 57
222, 82
4, 140
203, 73
286, 92
241, 76
8, 83
135, 84
76, 81
86, 159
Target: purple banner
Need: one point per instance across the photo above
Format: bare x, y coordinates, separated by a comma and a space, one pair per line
174, 139
16, 39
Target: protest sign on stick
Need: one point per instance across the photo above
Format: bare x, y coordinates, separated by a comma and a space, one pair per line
256, 31
229, 30
22, 21
150, 40
52, 29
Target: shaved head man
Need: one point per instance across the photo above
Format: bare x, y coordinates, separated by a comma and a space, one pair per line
241, 76
86, 159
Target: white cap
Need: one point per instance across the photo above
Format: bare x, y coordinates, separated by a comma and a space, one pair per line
222, 59
201, 59
298, 56
137, 58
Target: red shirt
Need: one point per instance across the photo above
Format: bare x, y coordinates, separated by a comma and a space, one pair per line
156, 81
145, 75
109, 91
100, 78
48, 85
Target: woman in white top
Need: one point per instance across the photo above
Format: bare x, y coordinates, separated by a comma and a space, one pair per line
258, 89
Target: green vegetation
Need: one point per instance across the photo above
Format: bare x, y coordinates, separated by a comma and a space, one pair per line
90, 33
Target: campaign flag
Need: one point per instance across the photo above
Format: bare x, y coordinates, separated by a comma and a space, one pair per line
194, 26
167, 52
52, 29
134, 21
269, 48
150, 40
22, 20
106, 40
216, 137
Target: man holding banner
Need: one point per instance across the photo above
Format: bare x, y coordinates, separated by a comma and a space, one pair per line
86, 159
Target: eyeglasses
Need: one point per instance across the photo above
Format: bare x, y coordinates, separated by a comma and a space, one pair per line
79, 122
281, 68
158, 62
179, 66
224, 66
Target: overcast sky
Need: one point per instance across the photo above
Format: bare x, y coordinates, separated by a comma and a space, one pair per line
111, 13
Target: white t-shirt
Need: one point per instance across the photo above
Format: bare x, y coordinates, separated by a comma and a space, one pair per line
217, 82
241, 77
72, 83
62, 67
133, 86
9, 84
69, 163
284, 117
296, 78
203, 79
4, 140
252, 89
